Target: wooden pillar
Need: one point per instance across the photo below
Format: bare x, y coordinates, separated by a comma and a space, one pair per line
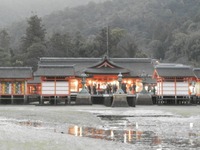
12, 99
41, 100
25, 92
162, 87
25, 99
175, 91
55, 100
66, 100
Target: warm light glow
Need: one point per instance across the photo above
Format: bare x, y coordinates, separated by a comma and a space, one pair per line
129, 81
114, 82
125, 138
74, 85
76, 130
111, 134
129, 135
89, 81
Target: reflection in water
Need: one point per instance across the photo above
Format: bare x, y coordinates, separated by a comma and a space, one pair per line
125, 136
131, 134
30, 123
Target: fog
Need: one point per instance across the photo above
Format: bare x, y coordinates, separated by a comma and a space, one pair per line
16, 10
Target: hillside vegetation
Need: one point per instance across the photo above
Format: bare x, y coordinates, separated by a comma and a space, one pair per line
166, 30
15, 10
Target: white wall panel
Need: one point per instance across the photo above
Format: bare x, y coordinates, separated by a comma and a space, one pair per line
168, 93
62, 88
184, 84
48, 92
47, 88
181, 93
197, 88
170, 88
51, 88
48, 83
62, 92
63, 83
169, 84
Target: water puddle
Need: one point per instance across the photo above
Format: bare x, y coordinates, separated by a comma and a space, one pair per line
121, 129
30, 123
124, 136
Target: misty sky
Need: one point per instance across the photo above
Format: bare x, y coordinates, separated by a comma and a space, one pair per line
15, 10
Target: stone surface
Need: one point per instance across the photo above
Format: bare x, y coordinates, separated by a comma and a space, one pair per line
131, 99
108, 100
119, 100
144, 99
83, 99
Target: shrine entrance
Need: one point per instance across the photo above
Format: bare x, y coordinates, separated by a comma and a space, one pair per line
103, 78
108, 84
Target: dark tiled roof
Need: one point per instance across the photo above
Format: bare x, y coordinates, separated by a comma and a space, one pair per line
197, 72
174, 70
151, 81
35, 80
55, 70
79, 64
16, 72
115, 71
106, 66
135, 65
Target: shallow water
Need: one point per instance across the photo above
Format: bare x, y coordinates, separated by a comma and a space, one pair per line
150, 133
144, 129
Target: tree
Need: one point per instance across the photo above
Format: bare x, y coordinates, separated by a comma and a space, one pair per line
128, 46
193, 48
60, 45
140, 54
157, 49
35, 32
35, 51
114, 39
78, 45
33, 43
101, 40
5, 57
109, 39
4, 39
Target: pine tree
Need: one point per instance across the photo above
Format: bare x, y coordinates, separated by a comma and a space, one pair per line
35, 33
34, 37
5, 57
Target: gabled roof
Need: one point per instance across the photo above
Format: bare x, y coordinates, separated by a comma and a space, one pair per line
134, 65
174, 70
55, 70
197, 72
16, 72
106, 66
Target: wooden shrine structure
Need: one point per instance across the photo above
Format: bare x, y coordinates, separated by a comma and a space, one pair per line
13, 84
173, 83
196, 87
61, 77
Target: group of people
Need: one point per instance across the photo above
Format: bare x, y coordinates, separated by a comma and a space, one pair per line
110, 88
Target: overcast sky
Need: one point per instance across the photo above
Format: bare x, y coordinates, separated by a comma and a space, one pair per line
14, 10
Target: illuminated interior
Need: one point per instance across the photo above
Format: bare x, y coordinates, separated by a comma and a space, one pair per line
109, 84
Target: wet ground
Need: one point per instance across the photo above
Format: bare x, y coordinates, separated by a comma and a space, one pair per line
142, 127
